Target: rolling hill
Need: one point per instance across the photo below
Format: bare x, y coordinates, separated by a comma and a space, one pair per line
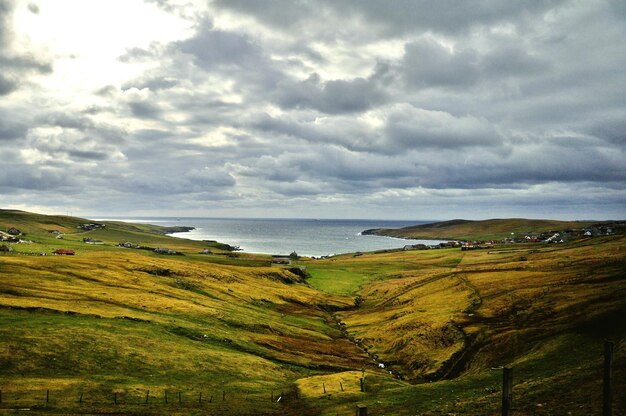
493, 229
123, 330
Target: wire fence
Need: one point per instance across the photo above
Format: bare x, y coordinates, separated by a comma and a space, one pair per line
237, 402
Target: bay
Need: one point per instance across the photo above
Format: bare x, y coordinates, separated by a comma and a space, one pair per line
307, 237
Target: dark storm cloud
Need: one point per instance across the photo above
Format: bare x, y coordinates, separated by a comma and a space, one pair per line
428, 64
214, 48
12, 127
406, 104
153, 84
536, 165
88, 154
170, 179
230, 53
411, 128
344, 171
405, 128
331, 97
143, 109
65, 148
448, 16
82, 123
611, 130
14, 177
7, 85
342, 131
65, 121
324, 170
208, 177
499, 108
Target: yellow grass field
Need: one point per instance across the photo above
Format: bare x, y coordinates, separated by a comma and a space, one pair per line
118, 330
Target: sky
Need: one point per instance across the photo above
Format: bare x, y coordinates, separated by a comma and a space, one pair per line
409, 109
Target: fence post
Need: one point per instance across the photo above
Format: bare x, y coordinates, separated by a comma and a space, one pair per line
362, 385
324, 387
147, 396
223, 395
200, 398
165, 396
361, 410
47, 396
507, 390
607, 396
180, 399
80, 400
115, 397
0, 396
341, 385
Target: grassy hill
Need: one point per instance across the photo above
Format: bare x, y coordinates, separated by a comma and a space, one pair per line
493, 229
122, 324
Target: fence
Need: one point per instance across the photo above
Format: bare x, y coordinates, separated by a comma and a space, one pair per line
221, 401
149, 401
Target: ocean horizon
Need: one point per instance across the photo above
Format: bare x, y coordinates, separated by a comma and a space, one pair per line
281, 236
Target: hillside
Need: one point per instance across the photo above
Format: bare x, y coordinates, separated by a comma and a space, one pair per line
231, 333
493, 229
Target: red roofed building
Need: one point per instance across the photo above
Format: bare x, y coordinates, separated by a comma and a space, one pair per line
62, 251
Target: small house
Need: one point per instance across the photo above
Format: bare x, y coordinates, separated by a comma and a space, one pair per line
164, 251
63, 252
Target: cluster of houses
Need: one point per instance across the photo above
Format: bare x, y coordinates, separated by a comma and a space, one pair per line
477, 245
551, 237
447, 244
160, 250
90, 226
57, 233
11, 235
88, 240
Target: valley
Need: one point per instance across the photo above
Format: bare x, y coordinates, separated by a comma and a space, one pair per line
113, 329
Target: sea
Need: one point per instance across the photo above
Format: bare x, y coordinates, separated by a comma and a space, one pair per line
307, 237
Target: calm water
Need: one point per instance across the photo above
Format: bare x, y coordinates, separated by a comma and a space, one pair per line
306, 237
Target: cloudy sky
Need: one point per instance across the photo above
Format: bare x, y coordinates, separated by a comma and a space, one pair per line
407, 109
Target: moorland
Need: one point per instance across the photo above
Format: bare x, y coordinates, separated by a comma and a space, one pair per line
198, 328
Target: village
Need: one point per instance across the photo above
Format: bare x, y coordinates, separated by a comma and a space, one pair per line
14, 236
549, 237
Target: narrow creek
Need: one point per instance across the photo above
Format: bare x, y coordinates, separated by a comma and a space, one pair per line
374, 358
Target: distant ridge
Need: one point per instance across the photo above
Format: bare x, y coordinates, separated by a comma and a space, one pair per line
460, 229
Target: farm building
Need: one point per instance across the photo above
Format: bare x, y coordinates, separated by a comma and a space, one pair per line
63, 252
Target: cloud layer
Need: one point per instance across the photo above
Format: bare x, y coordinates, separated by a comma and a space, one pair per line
408, 109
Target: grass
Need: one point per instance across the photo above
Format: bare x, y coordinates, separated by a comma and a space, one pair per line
112, 320
493, 229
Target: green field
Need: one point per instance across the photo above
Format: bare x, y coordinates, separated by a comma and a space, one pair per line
117, 330
493, 229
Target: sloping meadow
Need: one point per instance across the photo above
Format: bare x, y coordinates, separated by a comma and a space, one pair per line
228, 333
